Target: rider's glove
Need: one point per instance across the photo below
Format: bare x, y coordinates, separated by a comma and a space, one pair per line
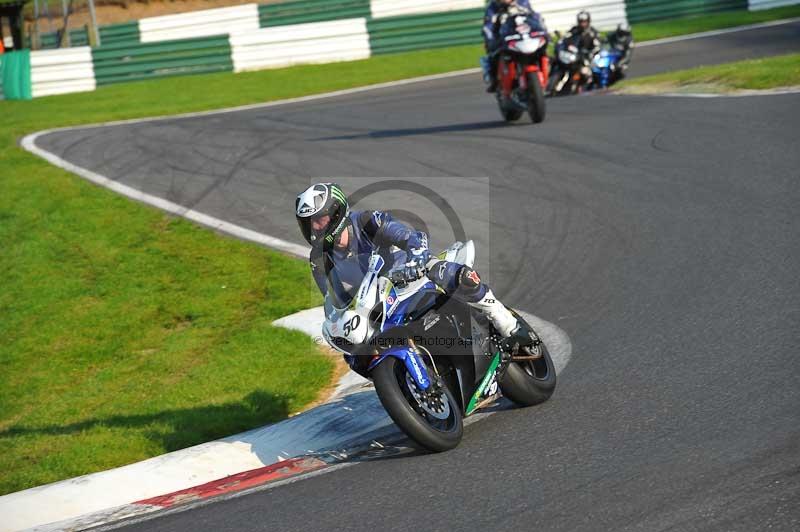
420, 256
414, 268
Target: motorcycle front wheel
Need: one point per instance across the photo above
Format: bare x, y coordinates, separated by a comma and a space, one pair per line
509, 115
434, 421
555, 76
536, 105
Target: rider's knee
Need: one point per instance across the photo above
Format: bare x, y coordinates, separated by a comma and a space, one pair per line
470, 284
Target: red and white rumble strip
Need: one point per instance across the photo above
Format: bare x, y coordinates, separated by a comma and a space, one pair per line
283, 470
248, 479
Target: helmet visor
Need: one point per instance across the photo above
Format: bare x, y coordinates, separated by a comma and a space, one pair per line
314, 228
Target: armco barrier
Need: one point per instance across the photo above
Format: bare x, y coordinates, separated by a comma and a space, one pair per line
317, 42
394, 8
62, 71
305, 11
120, 63
222, 21
644, 10
49, 40
758, 5
127, 32
415, 32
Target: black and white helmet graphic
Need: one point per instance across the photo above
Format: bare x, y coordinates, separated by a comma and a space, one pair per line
322, 213
584, 16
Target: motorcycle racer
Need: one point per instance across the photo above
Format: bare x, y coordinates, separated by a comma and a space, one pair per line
491, 41
589, 38
621, 40
341, 241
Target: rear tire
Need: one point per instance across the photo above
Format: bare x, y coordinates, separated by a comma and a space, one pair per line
531, 382
536, 105
521, 384
509, 115
389, 380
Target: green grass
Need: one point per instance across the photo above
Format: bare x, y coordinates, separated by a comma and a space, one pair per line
128, 333
647, 31
768, 73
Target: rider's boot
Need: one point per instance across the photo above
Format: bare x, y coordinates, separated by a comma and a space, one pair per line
490, 73
492, 86
504, 322
517, 338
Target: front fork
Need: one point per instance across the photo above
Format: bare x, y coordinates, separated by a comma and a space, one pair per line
507, 73
412, 360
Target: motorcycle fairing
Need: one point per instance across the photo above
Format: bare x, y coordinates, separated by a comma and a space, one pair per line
487, 387
398, 302
602, 65
410, 357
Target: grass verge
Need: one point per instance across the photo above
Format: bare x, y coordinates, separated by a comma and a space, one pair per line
756, 74
128, 333
648, 31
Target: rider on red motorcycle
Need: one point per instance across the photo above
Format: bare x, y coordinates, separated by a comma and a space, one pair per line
491, 41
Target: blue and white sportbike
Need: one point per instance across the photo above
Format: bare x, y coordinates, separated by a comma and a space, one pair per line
432, 359
605, 70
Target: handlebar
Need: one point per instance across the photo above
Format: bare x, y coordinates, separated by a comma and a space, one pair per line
403, 276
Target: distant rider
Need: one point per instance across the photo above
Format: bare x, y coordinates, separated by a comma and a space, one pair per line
491, 37
589, 39
621, 40
341, 244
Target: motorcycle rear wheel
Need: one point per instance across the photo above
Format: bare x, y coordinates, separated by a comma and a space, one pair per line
509, 115
529, 382
397, 398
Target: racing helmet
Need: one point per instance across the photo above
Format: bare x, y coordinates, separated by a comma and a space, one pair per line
624, 29
584, 16
313, 205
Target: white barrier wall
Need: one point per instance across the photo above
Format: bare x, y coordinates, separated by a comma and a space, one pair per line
393, 8
204, 23
758, 5
317, 42
560, 14
62, 71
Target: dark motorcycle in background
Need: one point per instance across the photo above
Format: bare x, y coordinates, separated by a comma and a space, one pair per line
522, 65
571, 71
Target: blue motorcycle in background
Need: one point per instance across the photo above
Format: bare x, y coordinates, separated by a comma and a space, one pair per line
605, 68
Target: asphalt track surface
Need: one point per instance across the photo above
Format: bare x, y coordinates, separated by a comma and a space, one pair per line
661, 233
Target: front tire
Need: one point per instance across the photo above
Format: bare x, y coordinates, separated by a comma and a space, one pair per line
556, 75
536, 105
396, 396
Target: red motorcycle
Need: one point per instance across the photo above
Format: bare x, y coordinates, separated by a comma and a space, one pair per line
522, 66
